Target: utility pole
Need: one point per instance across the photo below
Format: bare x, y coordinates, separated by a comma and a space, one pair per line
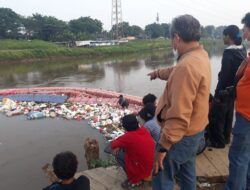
116, 18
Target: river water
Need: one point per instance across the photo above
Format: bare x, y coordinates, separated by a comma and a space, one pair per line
25, 146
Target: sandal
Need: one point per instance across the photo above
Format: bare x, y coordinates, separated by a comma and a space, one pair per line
126, 184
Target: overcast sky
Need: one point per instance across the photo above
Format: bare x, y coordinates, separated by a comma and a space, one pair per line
136, 12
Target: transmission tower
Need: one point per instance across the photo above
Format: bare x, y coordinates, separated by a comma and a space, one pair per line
116, 18
157, 18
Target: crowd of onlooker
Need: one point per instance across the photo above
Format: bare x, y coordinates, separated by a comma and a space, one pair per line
161, 140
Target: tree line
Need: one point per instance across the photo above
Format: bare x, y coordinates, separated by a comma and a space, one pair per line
49, 28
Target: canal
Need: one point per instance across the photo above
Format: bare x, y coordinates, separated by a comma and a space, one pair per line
25, 146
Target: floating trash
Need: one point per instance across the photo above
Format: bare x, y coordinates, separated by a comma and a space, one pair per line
7, 104
15, 112
35, 115
103, 117
52, 114
98, 107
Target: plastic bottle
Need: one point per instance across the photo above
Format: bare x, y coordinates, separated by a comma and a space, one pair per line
14, 113
35, 115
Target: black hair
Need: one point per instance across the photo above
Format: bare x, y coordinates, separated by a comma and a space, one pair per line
246, 20
211, 97
65, 165
129, 122
233, 32
147, 112
149, 98
187, 27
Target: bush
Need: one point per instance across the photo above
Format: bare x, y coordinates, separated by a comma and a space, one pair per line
103, 163
23, 49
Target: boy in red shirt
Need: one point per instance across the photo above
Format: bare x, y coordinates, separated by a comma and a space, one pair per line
134, 151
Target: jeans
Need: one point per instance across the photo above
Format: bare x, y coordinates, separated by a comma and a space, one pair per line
120, 156
180, 160
239, 156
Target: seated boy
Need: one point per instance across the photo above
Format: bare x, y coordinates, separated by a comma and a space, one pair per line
65, 166
147, 114
134, 151
149, 98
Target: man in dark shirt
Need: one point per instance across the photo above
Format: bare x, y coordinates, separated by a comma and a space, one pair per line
123, 102
221, 115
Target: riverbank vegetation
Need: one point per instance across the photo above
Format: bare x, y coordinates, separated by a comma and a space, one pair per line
32, 38
14, 50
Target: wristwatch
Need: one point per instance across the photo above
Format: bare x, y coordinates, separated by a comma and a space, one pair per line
159, 148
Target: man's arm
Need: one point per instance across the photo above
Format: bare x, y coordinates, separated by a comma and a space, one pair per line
162, 74
120, 142
225, 72
182, 89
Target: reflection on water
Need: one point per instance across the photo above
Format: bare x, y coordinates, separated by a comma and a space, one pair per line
126, 74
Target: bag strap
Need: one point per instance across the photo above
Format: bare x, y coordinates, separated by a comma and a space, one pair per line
241, 70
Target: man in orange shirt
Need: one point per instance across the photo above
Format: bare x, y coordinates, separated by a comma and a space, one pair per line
239, 153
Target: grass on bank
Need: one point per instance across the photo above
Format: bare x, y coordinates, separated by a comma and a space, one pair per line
22, 49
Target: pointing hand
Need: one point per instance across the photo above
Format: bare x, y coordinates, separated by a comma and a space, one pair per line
152, 75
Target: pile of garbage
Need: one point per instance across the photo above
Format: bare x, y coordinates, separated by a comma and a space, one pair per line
102, 116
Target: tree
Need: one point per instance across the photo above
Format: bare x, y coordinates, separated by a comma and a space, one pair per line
166, 28
47, 27
210, 30
65, 36
135, 30
29, 25
9, 23
154, 30
204, 33
124, 30
85, 25
218, 33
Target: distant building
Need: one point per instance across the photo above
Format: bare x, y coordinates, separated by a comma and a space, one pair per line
91, 43
131, 38
82, 43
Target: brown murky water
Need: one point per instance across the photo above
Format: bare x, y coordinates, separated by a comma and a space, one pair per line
25, 146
